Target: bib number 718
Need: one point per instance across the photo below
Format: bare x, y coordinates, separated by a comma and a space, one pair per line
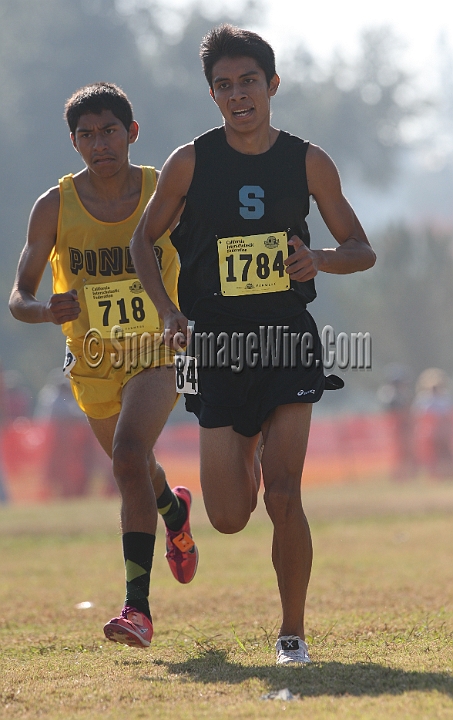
186, 374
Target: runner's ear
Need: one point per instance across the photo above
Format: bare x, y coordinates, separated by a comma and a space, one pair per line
133, 132
73, 140
273, 85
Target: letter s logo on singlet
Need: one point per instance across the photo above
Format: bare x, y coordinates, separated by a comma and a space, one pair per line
253, 207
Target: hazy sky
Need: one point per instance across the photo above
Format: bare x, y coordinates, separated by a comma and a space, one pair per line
329, 24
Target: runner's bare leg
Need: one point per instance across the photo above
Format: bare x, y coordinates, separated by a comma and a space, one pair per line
130, 437
285, 435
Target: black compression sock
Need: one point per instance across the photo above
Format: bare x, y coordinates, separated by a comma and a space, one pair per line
172, 509
138, 549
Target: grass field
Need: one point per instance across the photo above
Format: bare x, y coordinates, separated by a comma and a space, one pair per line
380, 615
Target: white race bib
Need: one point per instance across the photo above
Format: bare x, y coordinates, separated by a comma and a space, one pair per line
253, 264
123, 303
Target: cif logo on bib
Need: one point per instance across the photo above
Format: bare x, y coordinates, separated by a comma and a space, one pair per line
252, 207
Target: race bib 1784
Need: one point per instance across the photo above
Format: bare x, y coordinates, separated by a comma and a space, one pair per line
253, 264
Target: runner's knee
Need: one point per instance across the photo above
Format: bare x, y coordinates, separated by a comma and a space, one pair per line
282, 502
129, 459
230, 523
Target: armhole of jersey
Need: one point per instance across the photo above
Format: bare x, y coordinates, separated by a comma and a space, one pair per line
195, 167
149, 183
60, 214
154, 173
307, 145
59, 221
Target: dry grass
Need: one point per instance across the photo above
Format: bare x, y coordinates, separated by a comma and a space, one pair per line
380, 615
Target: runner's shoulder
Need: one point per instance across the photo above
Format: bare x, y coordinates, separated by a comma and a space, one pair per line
46, 209
319, 160
179, 167
320, 169
183, 157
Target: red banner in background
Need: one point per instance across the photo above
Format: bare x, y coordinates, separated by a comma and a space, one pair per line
45, 460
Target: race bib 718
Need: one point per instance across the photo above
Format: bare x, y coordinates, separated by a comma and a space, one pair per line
123, 302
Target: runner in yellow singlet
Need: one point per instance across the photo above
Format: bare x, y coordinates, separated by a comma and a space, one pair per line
121, 374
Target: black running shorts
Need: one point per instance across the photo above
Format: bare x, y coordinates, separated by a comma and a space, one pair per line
247, 370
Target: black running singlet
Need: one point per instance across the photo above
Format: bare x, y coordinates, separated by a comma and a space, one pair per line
234, 194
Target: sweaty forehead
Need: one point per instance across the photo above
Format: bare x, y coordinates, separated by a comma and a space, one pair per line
228, 67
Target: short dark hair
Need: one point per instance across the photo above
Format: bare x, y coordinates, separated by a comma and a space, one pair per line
94, 99
229, 41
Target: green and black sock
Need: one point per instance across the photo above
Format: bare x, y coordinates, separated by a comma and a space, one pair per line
138, 549
172, 509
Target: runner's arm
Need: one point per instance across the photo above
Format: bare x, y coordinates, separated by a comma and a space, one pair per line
160, 213
354, 252
41, 236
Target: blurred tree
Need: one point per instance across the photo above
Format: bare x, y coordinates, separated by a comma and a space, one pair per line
404, 302
354, 110
48, 49
430, 177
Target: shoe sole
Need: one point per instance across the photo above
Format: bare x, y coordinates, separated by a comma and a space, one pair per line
119, 634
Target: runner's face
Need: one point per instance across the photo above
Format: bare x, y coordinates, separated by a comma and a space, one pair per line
241, 92
103, 142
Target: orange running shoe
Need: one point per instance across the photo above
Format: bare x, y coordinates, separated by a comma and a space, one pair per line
182, 553
130, 628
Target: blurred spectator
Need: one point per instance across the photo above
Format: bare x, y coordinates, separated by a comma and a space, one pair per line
70, 448
73, 457
17, 397
433, 404
3, 493
396, 396
56, 400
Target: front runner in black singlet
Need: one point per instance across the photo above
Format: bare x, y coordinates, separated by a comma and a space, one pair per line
247, 273
274, 193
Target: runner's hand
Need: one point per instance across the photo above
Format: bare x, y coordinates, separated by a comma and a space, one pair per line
175, 330
63, 307
302, 265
